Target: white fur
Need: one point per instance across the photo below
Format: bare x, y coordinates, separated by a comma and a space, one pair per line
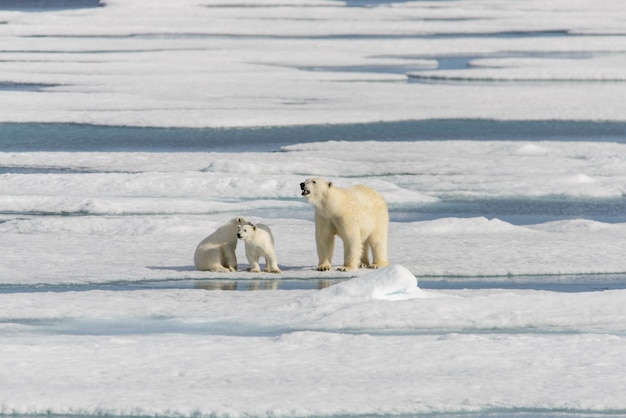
357, 214
217, 251
259, 243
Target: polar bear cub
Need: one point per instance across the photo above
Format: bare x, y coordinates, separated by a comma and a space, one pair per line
217, 251
358, 214
259, 243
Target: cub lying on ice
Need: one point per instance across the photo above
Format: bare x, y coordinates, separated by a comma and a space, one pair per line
259, 243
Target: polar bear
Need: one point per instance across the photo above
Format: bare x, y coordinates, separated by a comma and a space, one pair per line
259, 243
357, 214
217, 251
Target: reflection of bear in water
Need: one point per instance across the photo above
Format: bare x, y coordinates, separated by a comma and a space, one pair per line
259, 243
217, 251
358, 214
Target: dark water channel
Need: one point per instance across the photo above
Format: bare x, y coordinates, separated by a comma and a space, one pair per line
47, 5
68, 137
564, 283
521, 211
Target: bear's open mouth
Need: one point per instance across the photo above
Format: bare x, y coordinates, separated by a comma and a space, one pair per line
304, 189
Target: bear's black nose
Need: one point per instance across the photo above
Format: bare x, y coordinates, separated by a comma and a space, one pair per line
302, 186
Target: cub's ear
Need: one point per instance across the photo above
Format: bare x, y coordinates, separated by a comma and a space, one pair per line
330, 184
254, 227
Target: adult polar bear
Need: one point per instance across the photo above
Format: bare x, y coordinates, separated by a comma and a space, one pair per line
358, 214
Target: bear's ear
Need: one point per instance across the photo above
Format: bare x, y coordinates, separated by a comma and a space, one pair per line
330, 184
254, 227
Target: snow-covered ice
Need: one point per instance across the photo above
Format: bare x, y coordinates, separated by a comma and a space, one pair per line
102, 312
136, 216
374, 343
210, 63
337, 351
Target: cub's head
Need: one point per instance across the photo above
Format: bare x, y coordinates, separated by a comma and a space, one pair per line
240, 220
246, 231
314, 188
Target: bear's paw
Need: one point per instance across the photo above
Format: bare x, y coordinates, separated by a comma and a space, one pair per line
324, 267
378, 265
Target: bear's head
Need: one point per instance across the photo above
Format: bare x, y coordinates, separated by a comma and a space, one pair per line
314, 188
240, 220
246, 231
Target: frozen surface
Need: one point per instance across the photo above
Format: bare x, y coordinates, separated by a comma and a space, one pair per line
76, 224
191, 352
494, 130
458, 208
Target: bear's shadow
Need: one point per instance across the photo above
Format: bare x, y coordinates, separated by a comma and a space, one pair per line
173, 268
240, 267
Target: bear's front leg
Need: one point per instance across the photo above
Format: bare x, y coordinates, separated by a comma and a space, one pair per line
254, 267
253, 260
352, 246
325, 241
326, 266
351, 255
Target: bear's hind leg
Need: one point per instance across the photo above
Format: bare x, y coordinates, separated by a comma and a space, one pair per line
218, 268
379, 251
209, 260
214, 264
228, 258
270, 264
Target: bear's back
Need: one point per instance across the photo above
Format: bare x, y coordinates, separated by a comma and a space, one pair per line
364, 195
267, 231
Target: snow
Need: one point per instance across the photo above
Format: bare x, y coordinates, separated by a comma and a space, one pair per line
189, 352
103, 313
126, 203
391, 283
372, 343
